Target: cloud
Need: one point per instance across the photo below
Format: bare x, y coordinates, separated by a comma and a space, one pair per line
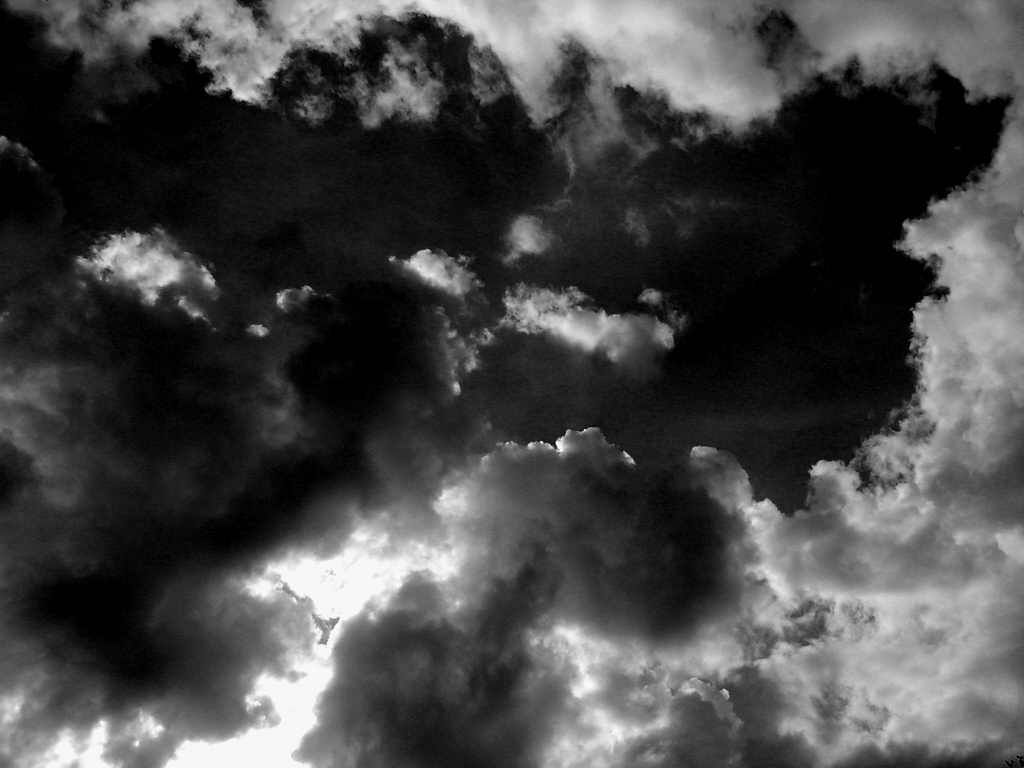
117, 603
652, 297
290, 299
634, 342
441, 271
153, 267
418, 685
925, 534
733, 59
150, 462
601, 607
526, 237
556, 556
633, 554
408, 89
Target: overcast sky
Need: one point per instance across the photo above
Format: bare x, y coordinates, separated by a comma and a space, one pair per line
486, 384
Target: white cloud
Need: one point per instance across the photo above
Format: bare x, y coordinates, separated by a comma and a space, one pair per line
411, 93
18, 151
700, 53
290, 299
526, 237
154, 267
652, 297
933, 556
634, 342
439, 270
933, 552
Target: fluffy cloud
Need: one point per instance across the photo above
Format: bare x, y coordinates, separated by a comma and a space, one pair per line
593, 610
418, 685
634, 342
154, 267
557, 556
150, 462
440, 271
634, 553
930, 543
724, 57
526, 237
409, 91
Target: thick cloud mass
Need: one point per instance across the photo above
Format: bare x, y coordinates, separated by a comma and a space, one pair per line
555, 385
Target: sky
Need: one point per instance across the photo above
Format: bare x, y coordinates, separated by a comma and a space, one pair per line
475, 384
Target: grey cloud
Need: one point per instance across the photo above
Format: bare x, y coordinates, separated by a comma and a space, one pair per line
419, 685
634, 342
153, 460
651, 556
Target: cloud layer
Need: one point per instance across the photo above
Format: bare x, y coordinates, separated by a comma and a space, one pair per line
545, 502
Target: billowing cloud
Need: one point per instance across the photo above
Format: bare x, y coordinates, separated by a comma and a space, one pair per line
928, 546
634, 342
153, 267
440, 271
149, 463
633, 553
290, 299
355, 480
556, 555
408, 90
526, 237
417, 685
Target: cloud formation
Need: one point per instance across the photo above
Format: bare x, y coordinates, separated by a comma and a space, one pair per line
526, 237
440, 271
614, 597
149, 265
634, 342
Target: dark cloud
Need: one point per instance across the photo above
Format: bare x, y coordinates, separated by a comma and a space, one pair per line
779, 246
254, 281
418, 685
155, 457
650, 556
141, 424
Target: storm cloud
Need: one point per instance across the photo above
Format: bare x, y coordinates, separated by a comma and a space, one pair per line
544, 385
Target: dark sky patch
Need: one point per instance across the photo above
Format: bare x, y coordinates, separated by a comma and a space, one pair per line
779, 246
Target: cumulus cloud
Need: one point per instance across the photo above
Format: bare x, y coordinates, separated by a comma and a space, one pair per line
593, 610
149, 462
634, 342
652, 297
416, 684
557, 555
927, 541
632, 553
407, 90
153, 267
526, 237
441, 271
723, 57
115, 607
291, 299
